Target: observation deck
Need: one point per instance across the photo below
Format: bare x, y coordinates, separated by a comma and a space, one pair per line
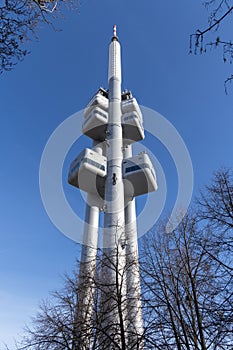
88, 172
140, 172
96, 117
133, 130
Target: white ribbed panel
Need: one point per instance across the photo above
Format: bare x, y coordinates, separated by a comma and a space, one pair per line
114, 66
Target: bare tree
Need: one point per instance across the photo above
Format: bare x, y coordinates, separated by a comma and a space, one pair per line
220, 11
19, 20
53, 326
216, 210
187, 294
187, 299
187, 288
216, 201
59, 325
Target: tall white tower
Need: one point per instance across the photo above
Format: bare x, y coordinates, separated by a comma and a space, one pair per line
112, 177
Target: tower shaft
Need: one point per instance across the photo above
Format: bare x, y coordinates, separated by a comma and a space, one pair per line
114, 189
113, 298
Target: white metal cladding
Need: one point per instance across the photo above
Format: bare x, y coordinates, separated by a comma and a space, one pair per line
98, 100
85, 169
114, 66
140, 172
95, 124
98, 113
132, 127
131, 117
131, 105
133, 130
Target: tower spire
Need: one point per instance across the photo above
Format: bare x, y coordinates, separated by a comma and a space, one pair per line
114, 30
115, 33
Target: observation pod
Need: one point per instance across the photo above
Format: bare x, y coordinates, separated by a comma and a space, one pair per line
88, 172
133, 130
140, 172
96, 116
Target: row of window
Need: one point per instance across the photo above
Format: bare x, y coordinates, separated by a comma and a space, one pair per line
96, 164
134, 116
102, 167
89, 161
128, 101
136, 167
105, 116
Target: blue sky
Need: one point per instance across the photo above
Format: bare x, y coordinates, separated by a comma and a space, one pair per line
57, 79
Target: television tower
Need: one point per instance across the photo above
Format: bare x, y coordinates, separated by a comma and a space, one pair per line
112, 178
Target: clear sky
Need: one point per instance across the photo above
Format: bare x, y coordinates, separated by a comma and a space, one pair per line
57, 79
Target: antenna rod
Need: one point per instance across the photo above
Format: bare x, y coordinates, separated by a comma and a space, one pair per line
114, 30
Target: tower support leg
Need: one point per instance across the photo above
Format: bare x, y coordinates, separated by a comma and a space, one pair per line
83, 328
134, 307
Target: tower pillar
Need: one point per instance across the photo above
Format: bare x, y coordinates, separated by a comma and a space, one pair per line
134, 306
87, 271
